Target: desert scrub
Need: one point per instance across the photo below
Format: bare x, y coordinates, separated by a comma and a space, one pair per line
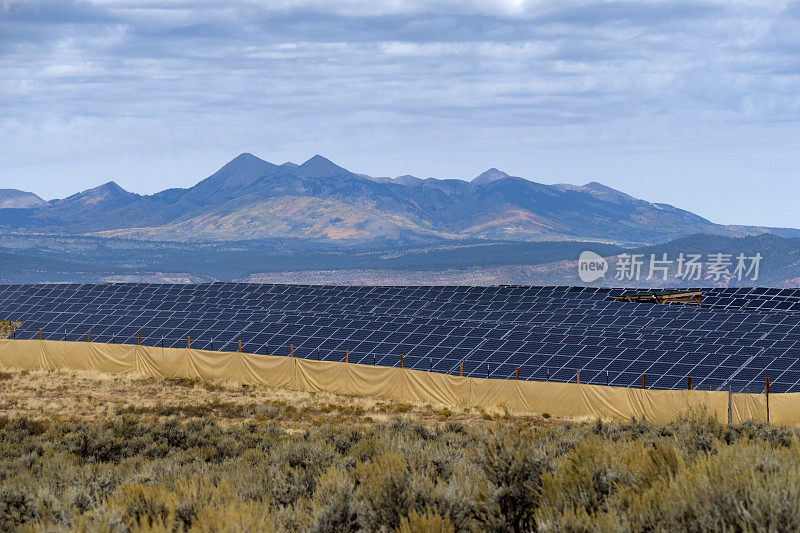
159, 472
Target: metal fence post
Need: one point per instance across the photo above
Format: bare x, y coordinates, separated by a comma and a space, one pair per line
730, 404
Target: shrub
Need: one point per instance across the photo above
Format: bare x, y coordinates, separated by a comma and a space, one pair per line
141, 505
128, 474
588, 476
383, 491
454, 499
17, 429
697, 433
335, 499
16, 508
427, 522
513, 466
726, 491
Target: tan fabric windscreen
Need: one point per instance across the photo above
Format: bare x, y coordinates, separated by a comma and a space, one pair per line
519, 397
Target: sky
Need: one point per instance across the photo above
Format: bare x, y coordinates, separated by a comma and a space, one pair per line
696, 104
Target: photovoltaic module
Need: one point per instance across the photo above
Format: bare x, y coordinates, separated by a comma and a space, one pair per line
735, 339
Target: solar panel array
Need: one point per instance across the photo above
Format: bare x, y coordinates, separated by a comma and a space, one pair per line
737, 338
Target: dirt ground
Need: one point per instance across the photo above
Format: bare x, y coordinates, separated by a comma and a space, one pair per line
80, 395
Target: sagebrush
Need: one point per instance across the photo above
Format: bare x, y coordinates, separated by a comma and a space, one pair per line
125, 473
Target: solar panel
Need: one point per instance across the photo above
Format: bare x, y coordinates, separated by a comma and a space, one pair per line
737, 338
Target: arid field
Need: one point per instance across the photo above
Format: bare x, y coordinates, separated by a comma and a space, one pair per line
89, 452
76, 396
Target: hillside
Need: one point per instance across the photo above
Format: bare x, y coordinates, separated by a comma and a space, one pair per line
35, 258
319, 201
778, 265
18, 267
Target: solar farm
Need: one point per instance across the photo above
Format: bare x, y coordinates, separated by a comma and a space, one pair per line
734, 340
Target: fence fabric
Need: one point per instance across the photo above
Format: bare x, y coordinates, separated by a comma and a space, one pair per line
570, 400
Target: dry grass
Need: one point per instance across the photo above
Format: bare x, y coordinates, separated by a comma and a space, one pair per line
84, 396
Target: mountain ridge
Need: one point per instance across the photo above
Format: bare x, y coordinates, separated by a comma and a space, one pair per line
250, 198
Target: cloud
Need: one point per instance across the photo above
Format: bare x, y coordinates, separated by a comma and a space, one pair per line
175, 79
532, 43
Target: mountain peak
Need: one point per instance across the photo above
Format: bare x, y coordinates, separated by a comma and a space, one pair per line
319, 161
242, 170
245, 160
321, 167
107, 193
106, 190
408, 179
13, 198
597, 186
109, 186
605, 191
489, 176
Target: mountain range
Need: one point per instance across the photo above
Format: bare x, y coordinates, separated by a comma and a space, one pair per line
319, 201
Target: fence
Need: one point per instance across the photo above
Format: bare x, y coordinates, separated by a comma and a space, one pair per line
571, 400
624, 375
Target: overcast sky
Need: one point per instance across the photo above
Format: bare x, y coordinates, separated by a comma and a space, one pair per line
696, 104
